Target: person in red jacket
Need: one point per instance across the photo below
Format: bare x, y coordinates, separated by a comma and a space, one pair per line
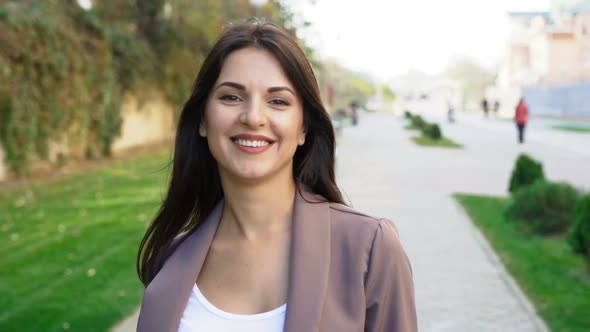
521, 117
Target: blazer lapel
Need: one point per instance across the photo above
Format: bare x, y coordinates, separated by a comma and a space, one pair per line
166, 296
310, 260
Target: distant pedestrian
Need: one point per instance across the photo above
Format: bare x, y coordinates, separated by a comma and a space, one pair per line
521, 117
354, 107
450, 112
485, 105
496, 108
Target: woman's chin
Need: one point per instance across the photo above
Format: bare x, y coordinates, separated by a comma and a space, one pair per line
250, 174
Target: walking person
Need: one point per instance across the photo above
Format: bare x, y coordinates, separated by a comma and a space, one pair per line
354, 107
253, 234
496, 108
485, 105
521, 117
450, 112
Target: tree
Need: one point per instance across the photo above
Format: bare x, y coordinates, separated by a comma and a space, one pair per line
472, 77
388, 94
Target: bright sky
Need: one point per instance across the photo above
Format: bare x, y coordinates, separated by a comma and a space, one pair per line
387, 37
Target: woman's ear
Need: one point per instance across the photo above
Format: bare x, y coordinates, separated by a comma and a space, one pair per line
202, 130
301, 140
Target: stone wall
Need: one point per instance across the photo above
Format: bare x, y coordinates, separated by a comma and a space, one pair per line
149, 122
2, 165
144, 123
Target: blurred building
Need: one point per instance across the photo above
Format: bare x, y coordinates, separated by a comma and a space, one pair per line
418, 92
547, 49
378, 102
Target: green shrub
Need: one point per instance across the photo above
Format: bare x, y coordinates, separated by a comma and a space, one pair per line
432, 131
580, 236
526, 171
418, 122
408, 115
544, 207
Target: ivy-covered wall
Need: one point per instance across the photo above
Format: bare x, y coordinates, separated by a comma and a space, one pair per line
143, 123
3, 169
64, 71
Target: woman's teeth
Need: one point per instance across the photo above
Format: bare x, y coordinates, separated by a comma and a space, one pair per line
249, 143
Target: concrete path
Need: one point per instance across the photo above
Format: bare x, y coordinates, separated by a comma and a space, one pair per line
460, 284
129, 324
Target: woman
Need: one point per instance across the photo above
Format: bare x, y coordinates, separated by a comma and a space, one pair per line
253, 234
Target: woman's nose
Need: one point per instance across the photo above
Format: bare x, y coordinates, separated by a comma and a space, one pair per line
254, 114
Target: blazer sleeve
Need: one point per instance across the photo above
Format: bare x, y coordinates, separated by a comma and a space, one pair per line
389, 286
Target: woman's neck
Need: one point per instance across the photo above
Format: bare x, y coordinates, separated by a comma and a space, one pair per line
257, 211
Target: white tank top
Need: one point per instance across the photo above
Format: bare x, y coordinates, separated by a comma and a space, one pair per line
201, 315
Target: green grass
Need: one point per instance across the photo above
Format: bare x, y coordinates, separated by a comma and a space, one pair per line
578, 128
556, 280
68, 247
443, 142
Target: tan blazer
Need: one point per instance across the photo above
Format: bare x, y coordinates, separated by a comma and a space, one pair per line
348, 272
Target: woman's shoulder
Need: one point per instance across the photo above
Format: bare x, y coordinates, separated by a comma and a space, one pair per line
351, 222
345, 216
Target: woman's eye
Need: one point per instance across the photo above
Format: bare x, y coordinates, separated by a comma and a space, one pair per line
279, 102
230, 98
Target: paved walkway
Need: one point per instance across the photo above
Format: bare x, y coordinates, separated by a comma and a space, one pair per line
460, 285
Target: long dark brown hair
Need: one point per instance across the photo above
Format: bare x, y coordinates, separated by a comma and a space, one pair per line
195, 186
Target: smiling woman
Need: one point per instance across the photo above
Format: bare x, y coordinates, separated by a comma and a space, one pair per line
253, 234
253, 119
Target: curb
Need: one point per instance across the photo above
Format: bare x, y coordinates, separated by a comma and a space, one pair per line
508, 280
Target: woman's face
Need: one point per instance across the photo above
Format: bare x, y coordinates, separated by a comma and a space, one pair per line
254, 117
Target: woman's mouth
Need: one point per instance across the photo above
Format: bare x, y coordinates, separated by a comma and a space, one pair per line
252, 143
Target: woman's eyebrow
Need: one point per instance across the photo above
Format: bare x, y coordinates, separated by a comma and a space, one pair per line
280, 88
243, 88
232, 85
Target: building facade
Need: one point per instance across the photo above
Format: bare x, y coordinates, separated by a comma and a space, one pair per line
546, 50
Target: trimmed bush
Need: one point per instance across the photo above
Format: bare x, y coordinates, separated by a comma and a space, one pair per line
526, 172
544, 207
418, 122
432, 131
580, 236
429, 130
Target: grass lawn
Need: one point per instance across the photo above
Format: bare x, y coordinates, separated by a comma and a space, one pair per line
68, 247
443, 142
556, 280
577, 128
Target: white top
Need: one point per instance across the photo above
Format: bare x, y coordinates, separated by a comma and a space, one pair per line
201, 315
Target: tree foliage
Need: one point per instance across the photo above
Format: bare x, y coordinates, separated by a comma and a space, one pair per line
471, 76
388, 94
65, 70
347, 85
